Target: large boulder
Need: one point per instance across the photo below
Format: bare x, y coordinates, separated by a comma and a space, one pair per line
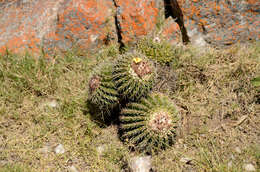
86, 24
47, 25
221, 23
23, 24
136, 18
56, 25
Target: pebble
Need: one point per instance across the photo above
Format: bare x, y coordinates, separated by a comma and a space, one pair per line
100, 149
238, 150
157, 39
229, 164
72, 168
186, 160
59, 149
50, 103
140, 164
249, 167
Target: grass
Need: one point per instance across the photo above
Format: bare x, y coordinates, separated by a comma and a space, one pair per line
215, 90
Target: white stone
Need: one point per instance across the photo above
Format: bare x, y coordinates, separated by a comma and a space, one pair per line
249, 167
100, 149
140, 164
229, 164
52, 103
49, 103
157, 39
186, 160
72, 169
200, 41
93, 38
59, 149
238, 150
197, 38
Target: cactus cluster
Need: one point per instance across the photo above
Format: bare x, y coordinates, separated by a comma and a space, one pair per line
148, 120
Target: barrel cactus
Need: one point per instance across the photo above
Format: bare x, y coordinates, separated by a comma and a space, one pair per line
134, 75
151, 123
102, 91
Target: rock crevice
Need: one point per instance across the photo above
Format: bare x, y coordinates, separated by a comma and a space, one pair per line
173, 9
118, 29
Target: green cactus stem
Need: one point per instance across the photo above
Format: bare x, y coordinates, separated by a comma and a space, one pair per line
151, 123
134, 76
102, 91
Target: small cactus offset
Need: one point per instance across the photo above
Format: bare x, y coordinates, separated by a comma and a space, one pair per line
134, 76
151, 123
102, 92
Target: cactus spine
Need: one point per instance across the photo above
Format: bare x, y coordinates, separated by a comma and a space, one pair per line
151, 123
134, 76
102, 91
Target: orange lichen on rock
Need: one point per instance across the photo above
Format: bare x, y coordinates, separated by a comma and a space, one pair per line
50, 25
222, 22
136, 18
47, 25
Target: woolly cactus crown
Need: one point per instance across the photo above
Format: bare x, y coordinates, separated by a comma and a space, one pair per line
134, 75
151, 123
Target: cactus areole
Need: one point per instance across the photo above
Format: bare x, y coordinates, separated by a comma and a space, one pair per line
102, 91
94, 83
150, 124
160, 122
134, 76
142, 68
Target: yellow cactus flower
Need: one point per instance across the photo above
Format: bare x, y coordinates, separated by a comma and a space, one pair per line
137, 60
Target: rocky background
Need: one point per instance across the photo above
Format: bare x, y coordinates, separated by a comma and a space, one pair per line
48, 26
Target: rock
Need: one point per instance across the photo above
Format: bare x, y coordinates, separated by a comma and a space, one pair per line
157, 39
221, 23
230, 163
72, 168
249, 167
136, 19
186, 160
52, 103
59, 149
140, 164
171, 32
3, 162
86, 24
238, 150
24, 24
56, 25
101, 149
197, 38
